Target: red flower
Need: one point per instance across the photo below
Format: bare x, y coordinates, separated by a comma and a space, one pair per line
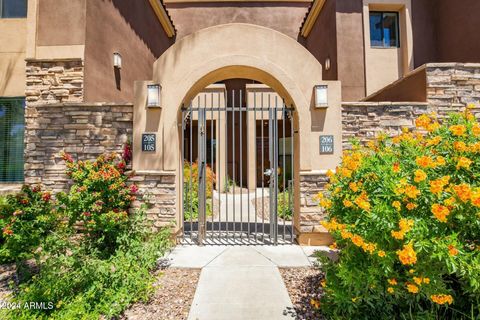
127, 153
24, 201
36, 189
87, 214
46, 196
66, 157
133, 189
121, 165
7, 231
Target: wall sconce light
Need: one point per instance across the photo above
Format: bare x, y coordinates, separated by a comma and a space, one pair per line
117, 60
327, 64
321, 96
153, 95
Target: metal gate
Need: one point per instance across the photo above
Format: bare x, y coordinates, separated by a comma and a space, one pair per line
238, 169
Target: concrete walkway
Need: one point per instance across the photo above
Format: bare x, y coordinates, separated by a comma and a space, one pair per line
240, 282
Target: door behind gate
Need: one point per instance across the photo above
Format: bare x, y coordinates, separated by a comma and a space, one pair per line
238, 169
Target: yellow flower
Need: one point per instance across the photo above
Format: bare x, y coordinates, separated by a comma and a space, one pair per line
434, 126
390, 290
363, 202
450, 201
426, 280
433, 141
411, 271
460, 146
475, 197
417, 280
440, 212
440, 161
397, 205
315, 303
412, 288
330, 173
436, 186
457, 130
464, 163
333, 246
407, 255
354, 299
393, 282
381, 254
420, 175
442, 298
396, 167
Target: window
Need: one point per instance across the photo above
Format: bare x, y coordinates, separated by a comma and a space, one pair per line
384, 29
13, 8
12, 127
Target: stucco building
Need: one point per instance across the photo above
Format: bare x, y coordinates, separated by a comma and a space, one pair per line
247, 88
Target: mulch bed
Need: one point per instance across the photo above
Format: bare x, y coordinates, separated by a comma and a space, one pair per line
172, 299
303, 284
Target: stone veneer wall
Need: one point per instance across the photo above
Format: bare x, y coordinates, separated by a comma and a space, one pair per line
54, 81
310, 213
453, 83
83, 130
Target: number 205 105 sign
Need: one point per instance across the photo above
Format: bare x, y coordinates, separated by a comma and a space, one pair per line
149, 141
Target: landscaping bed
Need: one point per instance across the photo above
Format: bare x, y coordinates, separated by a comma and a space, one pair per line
174, 291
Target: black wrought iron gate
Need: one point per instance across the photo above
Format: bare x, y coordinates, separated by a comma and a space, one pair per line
238, 169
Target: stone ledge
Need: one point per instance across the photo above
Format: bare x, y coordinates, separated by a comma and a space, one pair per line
85, 104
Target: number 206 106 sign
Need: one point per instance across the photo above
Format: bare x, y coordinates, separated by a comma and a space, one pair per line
326, 144
149, 141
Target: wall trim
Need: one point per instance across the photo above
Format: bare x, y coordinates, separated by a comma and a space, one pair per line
312, 16
163, 17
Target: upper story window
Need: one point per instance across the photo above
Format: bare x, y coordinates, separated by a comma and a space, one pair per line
13, 8
384, 29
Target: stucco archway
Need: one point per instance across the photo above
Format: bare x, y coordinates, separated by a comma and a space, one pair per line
236, 51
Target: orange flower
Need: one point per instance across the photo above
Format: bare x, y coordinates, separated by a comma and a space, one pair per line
423, 121
353, 186
433, 141
407, 255
425, 162
381, 254
440, 212
357, 240
420, 175
411, 206
452, 250
412, 288
436, 186
464, 163
442, 298
463, 191
393, 282
426, 280
390, 290
412, 191
396, 167
475, 198
347, 203
315, 303
363, 202
476, 130
417, 280
458, 130
440, 161
434, 126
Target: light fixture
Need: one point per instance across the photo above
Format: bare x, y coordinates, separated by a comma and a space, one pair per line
321, 96
153, 95
327, 64
117, 60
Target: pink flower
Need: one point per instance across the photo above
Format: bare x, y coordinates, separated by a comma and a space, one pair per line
133, 188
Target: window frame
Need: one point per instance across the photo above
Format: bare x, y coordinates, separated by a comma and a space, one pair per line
22, 17
383, 46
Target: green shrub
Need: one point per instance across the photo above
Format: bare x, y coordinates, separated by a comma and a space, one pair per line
80, 284
190, 183
99, 199
405, 214
284, 205
25, 220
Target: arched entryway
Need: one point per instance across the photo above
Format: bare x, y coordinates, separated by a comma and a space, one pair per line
235, 51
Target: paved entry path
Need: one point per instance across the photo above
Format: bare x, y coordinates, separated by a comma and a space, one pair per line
240, 282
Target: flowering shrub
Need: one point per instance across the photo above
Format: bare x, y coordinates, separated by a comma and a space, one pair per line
25, 219
190, 181
405, 214
99, 197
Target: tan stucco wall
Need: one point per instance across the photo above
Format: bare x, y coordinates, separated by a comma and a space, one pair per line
386, 65
13, 38
284, 16
208, 56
